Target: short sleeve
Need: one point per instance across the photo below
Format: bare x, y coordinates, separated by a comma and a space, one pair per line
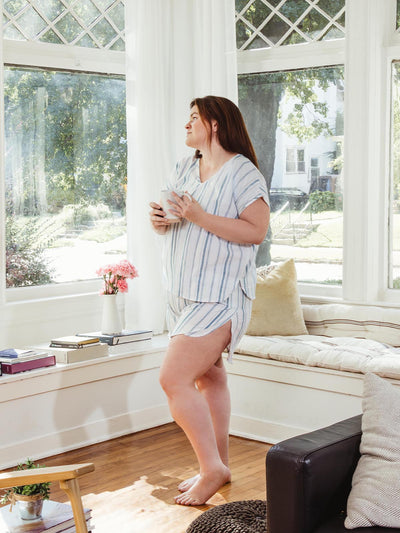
249, 185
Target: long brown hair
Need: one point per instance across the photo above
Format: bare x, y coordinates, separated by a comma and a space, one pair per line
232, 132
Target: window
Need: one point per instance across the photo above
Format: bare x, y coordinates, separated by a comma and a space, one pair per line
295, 160
87, 23
283, 109
65, 140
272, 23
295, 119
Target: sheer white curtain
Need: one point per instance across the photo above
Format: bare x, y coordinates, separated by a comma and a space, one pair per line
2, 205
176, 50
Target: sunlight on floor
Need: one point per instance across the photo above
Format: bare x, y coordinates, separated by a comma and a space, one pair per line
144, 507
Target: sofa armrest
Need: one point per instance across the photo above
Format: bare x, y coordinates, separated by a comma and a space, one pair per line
309, 476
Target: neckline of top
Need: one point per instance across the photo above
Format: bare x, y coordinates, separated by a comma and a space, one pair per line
217, 172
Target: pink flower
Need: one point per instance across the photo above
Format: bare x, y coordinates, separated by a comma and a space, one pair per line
115, 276
125, 269
122, 285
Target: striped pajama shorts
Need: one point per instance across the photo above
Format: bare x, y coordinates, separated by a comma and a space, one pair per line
196, 319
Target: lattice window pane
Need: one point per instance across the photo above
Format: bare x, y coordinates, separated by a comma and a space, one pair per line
14, 6
50, 8
104, 4
117, 14
51, 37
313, 24
10, 32
293, 10
87, 42
32, 22
331, 8
69, 28
275, 29
87, 12
104, 32
119, 45
257, 42
89, 23
271, 23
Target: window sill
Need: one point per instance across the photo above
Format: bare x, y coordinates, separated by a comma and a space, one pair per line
142, 356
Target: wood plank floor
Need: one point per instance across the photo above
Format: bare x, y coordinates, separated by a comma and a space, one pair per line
132, 488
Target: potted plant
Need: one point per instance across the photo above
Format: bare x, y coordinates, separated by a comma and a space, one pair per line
29, 498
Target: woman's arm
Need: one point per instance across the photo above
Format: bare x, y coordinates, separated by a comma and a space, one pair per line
250, 228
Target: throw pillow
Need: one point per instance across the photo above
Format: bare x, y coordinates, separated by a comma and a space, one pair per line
374, 498
277, 308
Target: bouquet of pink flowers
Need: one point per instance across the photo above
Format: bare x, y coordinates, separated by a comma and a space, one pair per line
115, 276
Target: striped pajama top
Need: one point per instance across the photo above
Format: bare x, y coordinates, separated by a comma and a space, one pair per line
199, 265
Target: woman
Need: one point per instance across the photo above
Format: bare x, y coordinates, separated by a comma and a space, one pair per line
209, 265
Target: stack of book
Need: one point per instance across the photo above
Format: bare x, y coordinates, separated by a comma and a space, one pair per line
119, 338
56, 517
73, 349
14, 360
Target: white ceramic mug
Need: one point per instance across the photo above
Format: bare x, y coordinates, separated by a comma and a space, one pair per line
166, 194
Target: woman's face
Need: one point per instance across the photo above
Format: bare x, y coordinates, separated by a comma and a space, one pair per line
197, 132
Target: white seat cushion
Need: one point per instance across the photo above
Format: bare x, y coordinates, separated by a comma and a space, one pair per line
338, 353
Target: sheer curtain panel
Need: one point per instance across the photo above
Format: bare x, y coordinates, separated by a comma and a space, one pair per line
2, 203
176, 50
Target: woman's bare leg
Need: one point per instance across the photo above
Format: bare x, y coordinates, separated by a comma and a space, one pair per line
214, 387
186, 361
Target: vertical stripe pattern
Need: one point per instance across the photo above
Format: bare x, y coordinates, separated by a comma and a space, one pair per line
198, 265
196, 319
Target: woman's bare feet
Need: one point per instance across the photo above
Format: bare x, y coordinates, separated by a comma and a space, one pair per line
188, 483
205, 487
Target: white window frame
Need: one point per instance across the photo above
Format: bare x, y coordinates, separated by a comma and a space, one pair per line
33, 314
319, 54
367, 52
297, 149
70, 58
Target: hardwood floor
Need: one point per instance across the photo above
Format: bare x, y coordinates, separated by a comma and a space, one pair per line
132, 488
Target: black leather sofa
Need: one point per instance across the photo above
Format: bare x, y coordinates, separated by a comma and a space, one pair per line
309, 480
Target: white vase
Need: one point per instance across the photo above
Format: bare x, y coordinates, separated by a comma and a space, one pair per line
111, 320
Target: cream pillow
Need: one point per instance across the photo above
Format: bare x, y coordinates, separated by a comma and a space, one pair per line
277, 308
374, 498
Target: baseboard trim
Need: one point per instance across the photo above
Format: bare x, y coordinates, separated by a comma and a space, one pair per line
262, 430
78, 437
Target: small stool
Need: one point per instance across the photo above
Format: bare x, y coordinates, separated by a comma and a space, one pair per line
247, 516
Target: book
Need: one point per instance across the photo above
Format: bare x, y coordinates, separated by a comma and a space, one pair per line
56, 517
16, 355
76, 355
73, 341
120, 338
15, 367
12, 353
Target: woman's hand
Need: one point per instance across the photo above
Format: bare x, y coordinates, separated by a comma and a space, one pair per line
157, 218
187, 207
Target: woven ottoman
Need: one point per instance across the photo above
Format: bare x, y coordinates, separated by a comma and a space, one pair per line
247, 516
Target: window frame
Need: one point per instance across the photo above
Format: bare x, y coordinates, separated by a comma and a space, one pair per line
57, 57
296, 148
370, 45
389, 294
293, 57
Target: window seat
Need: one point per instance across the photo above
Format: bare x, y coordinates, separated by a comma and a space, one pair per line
51, 410
295, 384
